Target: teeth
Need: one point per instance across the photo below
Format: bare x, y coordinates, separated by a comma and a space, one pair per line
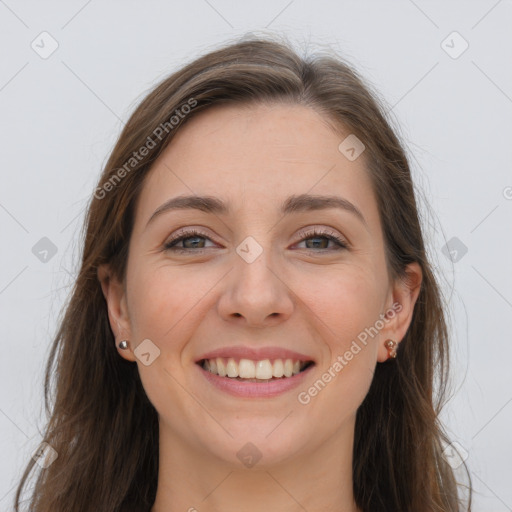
278, 370
221, 367
248, 369
232, 368
263, 369
288, 368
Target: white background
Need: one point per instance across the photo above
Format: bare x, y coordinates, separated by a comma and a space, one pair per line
60, 117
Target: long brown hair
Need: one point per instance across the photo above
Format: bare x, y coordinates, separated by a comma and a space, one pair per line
101, 423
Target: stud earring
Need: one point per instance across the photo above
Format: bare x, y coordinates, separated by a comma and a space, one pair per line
123, 345
391, 345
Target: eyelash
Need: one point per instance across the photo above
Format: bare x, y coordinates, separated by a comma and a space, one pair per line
314, 233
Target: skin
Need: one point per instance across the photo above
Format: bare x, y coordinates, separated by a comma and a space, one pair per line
295, 295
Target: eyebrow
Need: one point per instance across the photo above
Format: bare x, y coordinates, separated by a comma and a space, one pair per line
294, 204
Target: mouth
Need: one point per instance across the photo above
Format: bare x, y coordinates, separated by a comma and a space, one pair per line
251, 379
255, 371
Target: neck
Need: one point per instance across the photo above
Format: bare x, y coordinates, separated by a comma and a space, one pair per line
314, 479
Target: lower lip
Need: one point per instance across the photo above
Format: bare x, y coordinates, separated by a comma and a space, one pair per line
254, 389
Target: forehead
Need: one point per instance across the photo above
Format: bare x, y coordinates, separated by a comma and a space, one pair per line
256, 155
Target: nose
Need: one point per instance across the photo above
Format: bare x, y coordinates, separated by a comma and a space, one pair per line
256, 294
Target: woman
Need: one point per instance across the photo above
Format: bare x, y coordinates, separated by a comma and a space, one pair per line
255, 325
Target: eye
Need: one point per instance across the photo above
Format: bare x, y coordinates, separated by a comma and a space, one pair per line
321, 239
191, 239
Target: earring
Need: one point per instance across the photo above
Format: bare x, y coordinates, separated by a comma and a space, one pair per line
391, 345
123, 345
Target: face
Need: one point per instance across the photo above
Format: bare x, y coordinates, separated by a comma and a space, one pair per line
257, 281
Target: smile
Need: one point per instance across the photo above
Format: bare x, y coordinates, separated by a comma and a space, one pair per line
247, 369
254, 379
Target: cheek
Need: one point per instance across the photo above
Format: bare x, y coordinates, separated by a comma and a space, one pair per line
343, 308
162, 308
152, 307
161, 301
345, 302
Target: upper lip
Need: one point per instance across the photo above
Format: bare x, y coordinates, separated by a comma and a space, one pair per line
255, 354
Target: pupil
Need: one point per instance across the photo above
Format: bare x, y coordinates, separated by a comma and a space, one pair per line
194, 244
323, 241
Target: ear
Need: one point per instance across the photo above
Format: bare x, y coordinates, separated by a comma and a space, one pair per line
118, 316
400, 308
